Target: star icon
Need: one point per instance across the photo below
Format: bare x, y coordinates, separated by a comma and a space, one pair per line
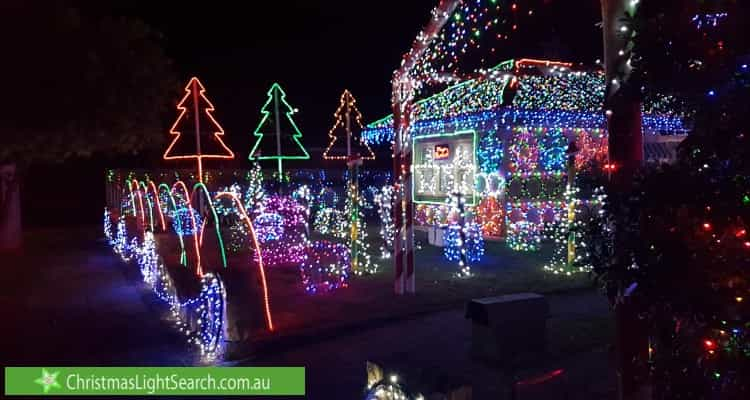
48, 380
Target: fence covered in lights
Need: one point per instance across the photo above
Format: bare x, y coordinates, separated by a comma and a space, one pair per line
500, 140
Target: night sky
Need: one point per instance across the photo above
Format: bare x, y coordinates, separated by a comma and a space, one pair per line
316, 49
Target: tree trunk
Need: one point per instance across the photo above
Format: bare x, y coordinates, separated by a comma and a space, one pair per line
623, 108
10, 209
625, 158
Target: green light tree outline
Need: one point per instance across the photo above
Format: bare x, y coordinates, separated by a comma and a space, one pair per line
273, 95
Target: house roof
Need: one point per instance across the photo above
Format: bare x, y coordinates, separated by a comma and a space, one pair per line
533, 92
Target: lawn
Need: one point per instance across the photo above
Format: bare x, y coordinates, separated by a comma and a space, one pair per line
367, 302
370, 300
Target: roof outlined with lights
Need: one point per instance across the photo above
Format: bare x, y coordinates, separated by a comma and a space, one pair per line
529, 92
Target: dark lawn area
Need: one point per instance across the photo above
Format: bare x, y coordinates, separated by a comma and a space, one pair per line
371, 297
369, 300
68, 300
64, 266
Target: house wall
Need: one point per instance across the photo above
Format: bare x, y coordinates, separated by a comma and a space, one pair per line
521, 174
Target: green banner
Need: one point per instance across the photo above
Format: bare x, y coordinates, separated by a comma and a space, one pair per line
173, 381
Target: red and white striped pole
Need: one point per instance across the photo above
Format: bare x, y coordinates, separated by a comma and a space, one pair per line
403, 244
398, 194
404, 88
406, 178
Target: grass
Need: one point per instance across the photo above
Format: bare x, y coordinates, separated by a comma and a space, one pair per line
566, 336
368, 301
371, 299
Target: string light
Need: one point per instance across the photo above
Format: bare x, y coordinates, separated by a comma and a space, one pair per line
490, 184
226, 208
523, 151
436, 176
170, 200
326, 267
384, 202
159, 204
258, 255
358, 222
552, 145
570, 252
121, 245
189, 115
182, 221
209, 307
140, 214
464, 241
327, 198
198, 189
524, 235
237, 236
534, 185
558, 98
708, 20
282, 231
346, 132
490, 152
329, 221
269, 227
471, 25
489, 215
270, 126
108, 235
165, 198
254, 193
472, 245
143, 189
194, 219
432, 214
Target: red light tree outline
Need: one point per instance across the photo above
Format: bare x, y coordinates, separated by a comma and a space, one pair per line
196, 91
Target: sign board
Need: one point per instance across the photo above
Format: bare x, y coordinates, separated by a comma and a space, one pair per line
444, 164
442, 151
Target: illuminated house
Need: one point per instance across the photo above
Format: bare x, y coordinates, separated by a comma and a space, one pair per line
501, 140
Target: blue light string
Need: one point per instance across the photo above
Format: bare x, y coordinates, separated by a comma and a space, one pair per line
510, 117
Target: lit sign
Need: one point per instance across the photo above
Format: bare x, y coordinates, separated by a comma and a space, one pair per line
442, 151
444, 163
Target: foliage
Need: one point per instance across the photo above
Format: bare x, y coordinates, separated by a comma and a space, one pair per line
671, 55
78, 85
714, 158
684, 227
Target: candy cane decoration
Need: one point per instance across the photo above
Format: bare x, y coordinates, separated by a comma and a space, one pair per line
196, 244
200, 186
153, 189
168, 191
243, 215
404, 87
